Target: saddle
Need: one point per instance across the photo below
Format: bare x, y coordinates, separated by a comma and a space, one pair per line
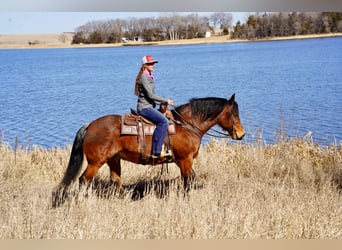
134, 124
137, 125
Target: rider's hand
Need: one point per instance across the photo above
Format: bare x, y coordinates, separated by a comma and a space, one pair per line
170, 102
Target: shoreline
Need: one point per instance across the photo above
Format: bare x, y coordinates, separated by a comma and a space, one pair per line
23, 41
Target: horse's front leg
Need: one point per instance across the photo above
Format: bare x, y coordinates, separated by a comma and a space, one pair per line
188, 174
115, 173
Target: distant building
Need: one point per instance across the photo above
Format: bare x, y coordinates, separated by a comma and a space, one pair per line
207, 34
124, 39
138, 39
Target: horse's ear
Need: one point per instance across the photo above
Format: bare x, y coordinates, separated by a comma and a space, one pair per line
231, 100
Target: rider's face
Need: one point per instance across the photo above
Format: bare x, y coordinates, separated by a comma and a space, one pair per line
149, 66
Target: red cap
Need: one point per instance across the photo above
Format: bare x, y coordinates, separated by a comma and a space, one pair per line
148, 59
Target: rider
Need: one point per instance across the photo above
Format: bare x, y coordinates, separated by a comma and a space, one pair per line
147, 101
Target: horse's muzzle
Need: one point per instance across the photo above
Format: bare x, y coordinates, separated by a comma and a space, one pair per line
238, 135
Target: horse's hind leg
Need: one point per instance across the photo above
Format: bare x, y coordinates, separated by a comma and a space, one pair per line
89, 174
115, 173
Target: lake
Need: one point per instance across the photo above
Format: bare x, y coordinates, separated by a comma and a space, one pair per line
282, 87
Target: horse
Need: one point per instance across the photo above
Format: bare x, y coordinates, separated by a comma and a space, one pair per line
101, 142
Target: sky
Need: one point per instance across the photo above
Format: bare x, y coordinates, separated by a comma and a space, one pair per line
58, 22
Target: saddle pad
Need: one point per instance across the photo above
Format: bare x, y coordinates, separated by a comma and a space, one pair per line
148, 129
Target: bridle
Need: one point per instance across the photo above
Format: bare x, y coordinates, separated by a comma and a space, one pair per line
196, 129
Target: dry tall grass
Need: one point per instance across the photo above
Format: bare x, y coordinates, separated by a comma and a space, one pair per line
290, 190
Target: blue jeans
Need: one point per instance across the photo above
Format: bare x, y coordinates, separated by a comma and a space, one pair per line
161, 128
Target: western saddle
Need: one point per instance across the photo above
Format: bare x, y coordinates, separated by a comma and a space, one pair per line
136, 125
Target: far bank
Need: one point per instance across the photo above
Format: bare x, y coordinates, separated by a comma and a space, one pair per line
31, 41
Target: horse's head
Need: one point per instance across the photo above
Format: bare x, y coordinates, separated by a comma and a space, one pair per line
229, 120
206, 112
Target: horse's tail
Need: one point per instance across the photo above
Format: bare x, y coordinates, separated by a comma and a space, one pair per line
73, 169
76, 157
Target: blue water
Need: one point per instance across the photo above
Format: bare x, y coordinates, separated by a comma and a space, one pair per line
287, 87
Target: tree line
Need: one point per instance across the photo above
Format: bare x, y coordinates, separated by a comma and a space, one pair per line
175, 26
169, 26
288, 24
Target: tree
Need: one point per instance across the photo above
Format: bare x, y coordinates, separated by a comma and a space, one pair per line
291, 24
79, 37
221, 20
63, 38
333, 20
252, 25
95, 37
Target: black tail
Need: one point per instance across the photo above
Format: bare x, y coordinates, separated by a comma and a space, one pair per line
76, 158
73, 169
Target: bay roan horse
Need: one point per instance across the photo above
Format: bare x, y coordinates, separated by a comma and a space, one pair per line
101, 142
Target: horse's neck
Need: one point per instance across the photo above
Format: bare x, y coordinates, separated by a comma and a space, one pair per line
200, 126
204, 126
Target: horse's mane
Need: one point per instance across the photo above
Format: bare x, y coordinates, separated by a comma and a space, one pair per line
207, 108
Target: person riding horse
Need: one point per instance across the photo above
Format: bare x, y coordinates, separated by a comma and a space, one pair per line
101, 141
147, 101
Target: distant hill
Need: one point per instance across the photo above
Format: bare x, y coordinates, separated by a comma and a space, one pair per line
19, 40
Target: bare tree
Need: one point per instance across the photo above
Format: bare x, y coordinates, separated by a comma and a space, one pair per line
221, 19
173, 26
63, 38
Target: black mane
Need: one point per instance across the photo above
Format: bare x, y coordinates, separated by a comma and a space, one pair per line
206, 108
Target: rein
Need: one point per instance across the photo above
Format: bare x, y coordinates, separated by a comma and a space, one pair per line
221, 134
197, 130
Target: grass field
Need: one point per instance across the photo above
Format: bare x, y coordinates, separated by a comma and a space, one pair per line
290, 190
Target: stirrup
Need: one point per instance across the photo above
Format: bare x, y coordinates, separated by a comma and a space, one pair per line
165, 153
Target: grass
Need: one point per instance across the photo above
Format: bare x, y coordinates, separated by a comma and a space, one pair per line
290, 190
